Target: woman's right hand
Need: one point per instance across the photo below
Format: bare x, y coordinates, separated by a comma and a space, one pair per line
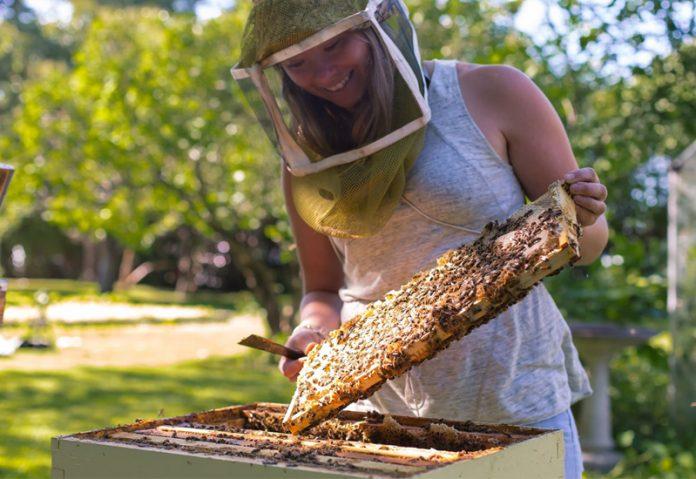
303, 339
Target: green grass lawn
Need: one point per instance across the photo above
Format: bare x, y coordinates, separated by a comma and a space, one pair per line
35, 406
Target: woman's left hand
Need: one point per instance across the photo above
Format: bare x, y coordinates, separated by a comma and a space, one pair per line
588, 193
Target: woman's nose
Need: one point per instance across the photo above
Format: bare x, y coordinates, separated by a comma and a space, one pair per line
325, 74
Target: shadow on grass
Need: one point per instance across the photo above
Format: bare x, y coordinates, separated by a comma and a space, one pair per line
35, 406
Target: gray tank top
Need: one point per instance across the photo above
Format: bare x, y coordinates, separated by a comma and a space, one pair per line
520, 367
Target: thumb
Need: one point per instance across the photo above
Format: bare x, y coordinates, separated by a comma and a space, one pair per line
309, 347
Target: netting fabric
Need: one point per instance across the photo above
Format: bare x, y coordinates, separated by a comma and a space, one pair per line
347, 189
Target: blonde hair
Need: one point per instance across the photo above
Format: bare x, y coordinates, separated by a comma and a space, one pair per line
329, 129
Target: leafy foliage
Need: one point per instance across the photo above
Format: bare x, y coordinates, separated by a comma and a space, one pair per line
143, 135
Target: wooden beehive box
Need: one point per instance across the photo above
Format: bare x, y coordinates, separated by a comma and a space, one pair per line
243, 441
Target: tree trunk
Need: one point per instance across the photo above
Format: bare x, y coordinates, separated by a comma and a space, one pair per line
184, 277
89, 260
127, 265
106, 267
142, 270
185, 266
260, 280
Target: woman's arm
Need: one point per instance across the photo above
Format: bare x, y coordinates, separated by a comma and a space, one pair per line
322, 276
533, 140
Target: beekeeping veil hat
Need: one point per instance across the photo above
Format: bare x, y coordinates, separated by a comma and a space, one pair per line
343, 184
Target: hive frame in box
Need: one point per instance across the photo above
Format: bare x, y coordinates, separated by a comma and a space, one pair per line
109, 453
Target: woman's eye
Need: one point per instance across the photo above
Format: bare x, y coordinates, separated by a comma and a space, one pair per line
294, 65
333, 45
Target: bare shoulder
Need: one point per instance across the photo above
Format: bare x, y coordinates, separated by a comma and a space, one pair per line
505, 93
498, 81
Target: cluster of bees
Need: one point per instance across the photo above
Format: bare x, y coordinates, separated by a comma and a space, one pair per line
469, 286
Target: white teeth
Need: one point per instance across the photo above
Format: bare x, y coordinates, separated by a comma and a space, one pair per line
339, 85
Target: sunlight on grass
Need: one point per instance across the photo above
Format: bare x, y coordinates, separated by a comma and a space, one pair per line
34, 406
21, 293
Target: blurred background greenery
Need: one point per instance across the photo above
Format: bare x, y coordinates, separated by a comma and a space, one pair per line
137, 165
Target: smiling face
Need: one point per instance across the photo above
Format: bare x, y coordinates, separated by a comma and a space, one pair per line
340, 93
336, 70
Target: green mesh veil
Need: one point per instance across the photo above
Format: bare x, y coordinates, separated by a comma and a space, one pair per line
351, 193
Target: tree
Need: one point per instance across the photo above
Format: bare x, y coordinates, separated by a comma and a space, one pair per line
30, 49
145, 134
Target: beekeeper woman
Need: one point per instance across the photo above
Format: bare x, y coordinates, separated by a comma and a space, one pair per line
387, 164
